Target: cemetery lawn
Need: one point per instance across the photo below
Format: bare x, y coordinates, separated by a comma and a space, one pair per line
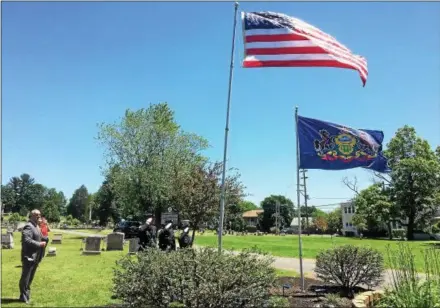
68, 279
287, 246
93, 231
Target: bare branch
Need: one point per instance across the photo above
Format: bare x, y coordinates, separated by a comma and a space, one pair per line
351, 184
382, 177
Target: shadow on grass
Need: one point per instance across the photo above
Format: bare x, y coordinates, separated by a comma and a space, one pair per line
433, 245
10, 300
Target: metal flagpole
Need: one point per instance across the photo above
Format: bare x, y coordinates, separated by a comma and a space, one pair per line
298, 200
225, 151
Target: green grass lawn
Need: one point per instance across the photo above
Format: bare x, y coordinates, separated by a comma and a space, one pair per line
67, 280
93, 231
287, 246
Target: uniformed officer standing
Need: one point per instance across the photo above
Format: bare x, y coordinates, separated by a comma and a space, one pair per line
167, 240
184, 239
147, 235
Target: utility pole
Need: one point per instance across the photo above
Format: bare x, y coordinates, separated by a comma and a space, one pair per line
277, 212
306, 197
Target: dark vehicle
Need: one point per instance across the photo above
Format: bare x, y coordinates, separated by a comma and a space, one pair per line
287, 231
129, 228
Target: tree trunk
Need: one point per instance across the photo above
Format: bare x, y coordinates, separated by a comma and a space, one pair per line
390, 233
410, 227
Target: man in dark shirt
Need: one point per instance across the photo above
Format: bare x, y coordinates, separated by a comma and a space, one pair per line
32, 242
167, 241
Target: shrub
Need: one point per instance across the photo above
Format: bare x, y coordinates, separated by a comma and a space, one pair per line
408, 289
251, 229
349, 266
334, 300
193, 278
277, 302
399, 233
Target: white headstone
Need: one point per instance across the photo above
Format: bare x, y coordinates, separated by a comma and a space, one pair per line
115, 241
51, 252
7, 241
93, 245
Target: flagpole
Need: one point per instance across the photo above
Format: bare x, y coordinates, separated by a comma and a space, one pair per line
298, 200
225, 151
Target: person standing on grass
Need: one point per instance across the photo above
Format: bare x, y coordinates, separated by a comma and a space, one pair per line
32, 242
44, 228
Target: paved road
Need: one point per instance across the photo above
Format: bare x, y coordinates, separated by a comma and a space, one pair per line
279, 262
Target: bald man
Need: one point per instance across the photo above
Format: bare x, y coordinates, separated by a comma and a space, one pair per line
32, 242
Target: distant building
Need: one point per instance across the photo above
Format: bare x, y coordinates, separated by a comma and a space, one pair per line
348, 210
294, 225
251, 217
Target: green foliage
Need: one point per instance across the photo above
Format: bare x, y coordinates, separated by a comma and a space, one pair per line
267, 219
78, 204
198, 196
149, 155
106, 202
15, 218
359, 221
251, 229
399, 233
408, 289
334, 220
194, 278
374, 208
245, 206
349, 266
334, 300
278, 302
436, 228
414, 178
274, 230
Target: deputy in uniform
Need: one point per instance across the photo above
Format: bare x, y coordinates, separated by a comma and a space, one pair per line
147, 235
184, 239
167, 240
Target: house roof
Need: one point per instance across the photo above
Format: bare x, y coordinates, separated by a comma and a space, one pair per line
252, 214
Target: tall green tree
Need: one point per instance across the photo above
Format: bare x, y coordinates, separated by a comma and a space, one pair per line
375, 207
334, 220
78, 204
198, 196
51, 205
267, 219
151, 153
414, 179
107, 202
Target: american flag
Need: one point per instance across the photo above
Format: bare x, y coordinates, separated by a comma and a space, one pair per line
277, 40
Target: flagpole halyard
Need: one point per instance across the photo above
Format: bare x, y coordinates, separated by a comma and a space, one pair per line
225, 151
298, 200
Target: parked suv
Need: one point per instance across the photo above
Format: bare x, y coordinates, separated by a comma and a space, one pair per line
129, 228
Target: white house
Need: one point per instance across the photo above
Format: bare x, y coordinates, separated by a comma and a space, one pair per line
348, 210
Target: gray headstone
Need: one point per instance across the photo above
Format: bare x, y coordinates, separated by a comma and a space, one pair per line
7, 241
115, 241
57, 238
133, 246
93, 245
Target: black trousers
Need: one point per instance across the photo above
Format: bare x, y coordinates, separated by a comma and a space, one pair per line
27, 275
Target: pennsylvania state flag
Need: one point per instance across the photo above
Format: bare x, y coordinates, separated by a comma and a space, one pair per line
329, 146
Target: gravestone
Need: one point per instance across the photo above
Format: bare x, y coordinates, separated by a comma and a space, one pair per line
170, 215
115, 241
7, 241
57, 238
20, 226
51, 252
93, 245
133, 246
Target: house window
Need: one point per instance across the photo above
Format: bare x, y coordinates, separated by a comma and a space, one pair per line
353, 209
349, 210
351, 225
346, 224
345, 210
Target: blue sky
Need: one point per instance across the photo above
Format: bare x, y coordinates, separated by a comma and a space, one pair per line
68, 66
